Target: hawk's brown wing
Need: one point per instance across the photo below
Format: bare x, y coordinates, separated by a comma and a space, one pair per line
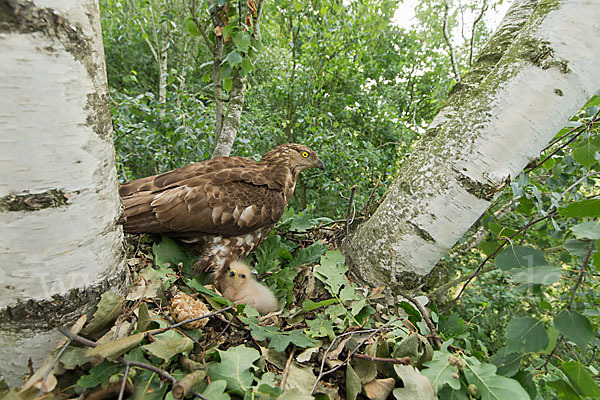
225, 196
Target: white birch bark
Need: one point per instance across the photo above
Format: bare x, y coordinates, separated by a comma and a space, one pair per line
231, 122
539, 68
60, 245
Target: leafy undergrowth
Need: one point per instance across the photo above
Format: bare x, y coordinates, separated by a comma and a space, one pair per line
331, 338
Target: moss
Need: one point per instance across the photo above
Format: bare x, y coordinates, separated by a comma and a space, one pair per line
33, 202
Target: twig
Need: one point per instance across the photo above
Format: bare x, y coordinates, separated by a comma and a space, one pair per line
124, 383
51, 367
435, 336
187, 321
181, 388
348, 222
586, 262
402, 361
371, 196
286, 371
556, 346
373, 333
495, 252
162, 373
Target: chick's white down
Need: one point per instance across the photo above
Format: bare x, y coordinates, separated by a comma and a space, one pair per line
240, 287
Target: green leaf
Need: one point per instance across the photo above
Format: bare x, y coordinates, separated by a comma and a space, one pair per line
308, 255
413, 314
227, 84
587, 230
353, 385
526, 334
247, 66
144, 318
242, 41
277, 340
507, 363
416, 385
580, 209
440, 372
581, 379
519, 257
169, 253
116, 348
584, 155
321, 326
216, 391
451, 325
577, 248
491, 386
542, 274
109, 308
575, 327
168, 344
447, 393
74, 357
234, 58
235, 368
192, 27
98, 375
310, 305
332, 271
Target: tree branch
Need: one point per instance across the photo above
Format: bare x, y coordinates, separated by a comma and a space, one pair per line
449, 41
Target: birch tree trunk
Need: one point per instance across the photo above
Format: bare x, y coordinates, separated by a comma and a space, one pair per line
231, 123
537, 71
60, 246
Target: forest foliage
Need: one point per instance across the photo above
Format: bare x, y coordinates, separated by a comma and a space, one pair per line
516, 315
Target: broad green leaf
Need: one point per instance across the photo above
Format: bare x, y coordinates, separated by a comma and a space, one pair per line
216, 390
227, 84
98, 375
447, 393
492, 386
74, 357
192, 27
310, 305
413, 314
451, 325
169, 253
507, 363
168, 344
584, 155
308, 255
581, 379
109, 308
564, 389
526, 334
242, 41
587, 230
575, 327
247, 66
542, 274
320, 327
440, 372
332, 271
353, 385
234, 58
116, 348
144, 319
578, 248
519, 257
235, 368
278, 340
416, 385
580, 209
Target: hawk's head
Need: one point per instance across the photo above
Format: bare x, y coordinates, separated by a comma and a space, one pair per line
296, 156
238, 274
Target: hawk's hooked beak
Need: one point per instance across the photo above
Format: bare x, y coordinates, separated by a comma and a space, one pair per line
320, 164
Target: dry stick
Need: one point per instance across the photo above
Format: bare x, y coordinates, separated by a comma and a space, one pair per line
51, 367
124, 383
286, 371
187, 321
183, 387
162, 373
403, 361
373, 333
350, 204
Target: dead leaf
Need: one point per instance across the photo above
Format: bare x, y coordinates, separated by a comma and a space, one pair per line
301, 378
116, 348
379, 389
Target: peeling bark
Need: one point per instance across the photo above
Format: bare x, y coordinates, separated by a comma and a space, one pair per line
538, 69
60, 247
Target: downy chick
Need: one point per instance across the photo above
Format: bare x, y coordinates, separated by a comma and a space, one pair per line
240, 287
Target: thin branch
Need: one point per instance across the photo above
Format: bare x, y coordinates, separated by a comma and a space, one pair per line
584, 267
348, 222
162, 373
51, 367
449, 41
402, 361
435, 336
479, 17
187, 321
286, 371
124, 383
373, 333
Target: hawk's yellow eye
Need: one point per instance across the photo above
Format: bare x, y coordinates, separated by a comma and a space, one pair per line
304, 154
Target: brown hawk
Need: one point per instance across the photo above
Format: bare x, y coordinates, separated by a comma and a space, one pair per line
226, 204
